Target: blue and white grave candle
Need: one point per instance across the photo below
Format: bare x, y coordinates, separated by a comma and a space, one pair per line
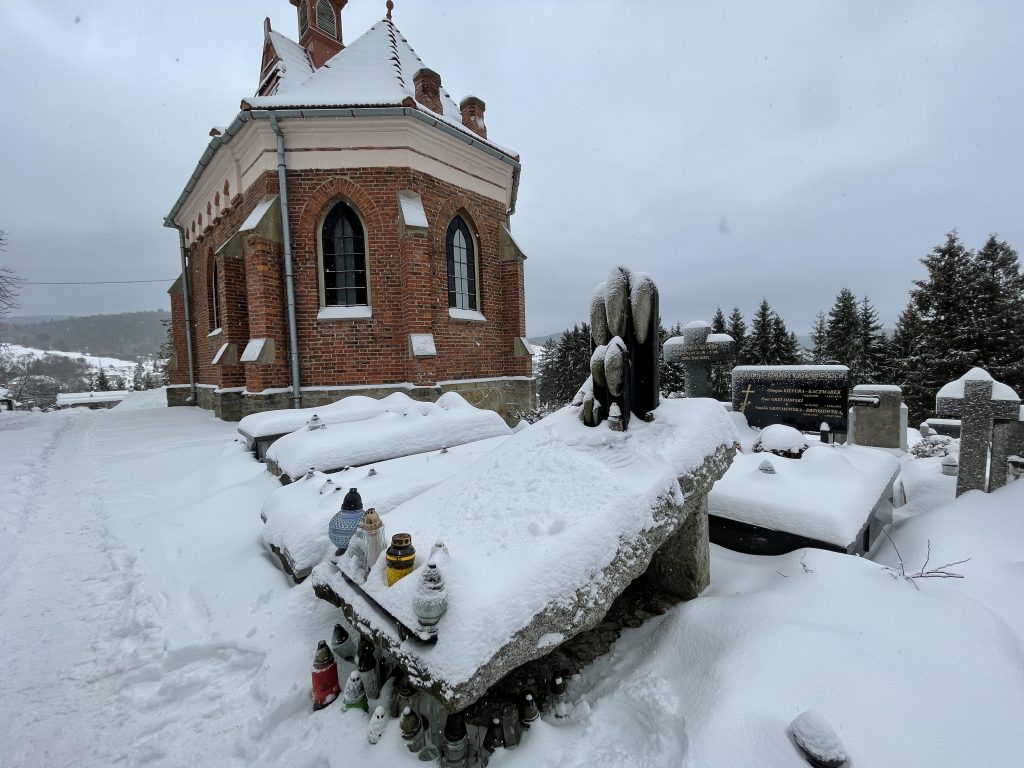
344, 523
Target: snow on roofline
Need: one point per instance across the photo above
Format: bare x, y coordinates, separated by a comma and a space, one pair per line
246, 116
80, 398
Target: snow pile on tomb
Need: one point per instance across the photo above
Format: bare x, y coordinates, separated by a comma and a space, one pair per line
348, 409
955, 389
536, 522
297, 514
827, 495
145, 398
85, 398
779, 437
405, 429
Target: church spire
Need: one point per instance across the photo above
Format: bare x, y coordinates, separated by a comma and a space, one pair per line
320, 28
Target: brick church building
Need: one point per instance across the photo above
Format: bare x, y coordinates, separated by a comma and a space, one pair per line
348, 233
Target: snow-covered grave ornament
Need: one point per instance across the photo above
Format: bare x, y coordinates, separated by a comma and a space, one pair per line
825, 433
378, 721
698, 349
950, 465
767, 467
314, 423
989, 412
325, 677
625, 346
530, 713
369, 668
782, 441
430, 601
367, 543
344, 524
354, 695
818, 741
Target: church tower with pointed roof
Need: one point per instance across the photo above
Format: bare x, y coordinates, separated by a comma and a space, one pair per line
349, 233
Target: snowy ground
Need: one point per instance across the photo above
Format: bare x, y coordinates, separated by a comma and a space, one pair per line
123, 368
143, 623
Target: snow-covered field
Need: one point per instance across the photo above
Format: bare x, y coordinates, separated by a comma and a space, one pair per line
123, 368
144, 624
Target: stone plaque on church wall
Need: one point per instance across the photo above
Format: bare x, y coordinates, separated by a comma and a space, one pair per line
800, 396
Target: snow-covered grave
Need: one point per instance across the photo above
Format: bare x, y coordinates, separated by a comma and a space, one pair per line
297, 514
261, 430
106, 399
543, 533
834, 497
404, 428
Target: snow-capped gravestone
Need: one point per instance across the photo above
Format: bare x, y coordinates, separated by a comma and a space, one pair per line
624, 372
801, 396
989, 412
878, 418
698, 349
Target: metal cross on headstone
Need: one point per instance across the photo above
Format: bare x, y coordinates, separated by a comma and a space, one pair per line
697, 349
986, 409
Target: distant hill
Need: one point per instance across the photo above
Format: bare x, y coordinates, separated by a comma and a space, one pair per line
127, 335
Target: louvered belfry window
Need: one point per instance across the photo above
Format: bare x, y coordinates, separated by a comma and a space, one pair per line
461, 266
344, 258
303, 17
325, 19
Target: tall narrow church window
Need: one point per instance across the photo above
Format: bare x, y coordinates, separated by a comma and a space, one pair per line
303, 17
461, 266
215, 298
325, 20
344, 258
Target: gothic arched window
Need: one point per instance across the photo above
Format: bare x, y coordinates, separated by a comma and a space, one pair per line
343, 258
461, 256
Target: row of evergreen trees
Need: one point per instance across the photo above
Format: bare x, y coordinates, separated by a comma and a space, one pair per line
968, 311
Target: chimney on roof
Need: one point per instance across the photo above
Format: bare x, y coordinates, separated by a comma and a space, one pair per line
473, 115
320, 28
428, 89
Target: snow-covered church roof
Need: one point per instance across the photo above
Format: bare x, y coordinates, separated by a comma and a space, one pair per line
292, 67
376, 70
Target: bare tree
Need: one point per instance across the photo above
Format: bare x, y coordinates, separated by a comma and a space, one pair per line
8, 283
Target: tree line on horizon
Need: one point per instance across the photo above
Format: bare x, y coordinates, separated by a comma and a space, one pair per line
968, 311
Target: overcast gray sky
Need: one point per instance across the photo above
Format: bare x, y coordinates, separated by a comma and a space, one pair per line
732, 150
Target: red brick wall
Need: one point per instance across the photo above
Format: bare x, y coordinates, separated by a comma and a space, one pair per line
408, 288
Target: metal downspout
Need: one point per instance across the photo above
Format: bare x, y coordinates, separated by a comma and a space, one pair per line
289, 279
185, 287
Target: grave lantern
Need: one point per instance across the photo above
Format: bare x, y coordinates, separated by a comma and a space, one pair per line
401, 556
529, 713
430, 601
376, 727
559, 697
412, 730
366, 663
342, 643
325, 677
511, 728
455, 741
494, 739
346, 521
368, 541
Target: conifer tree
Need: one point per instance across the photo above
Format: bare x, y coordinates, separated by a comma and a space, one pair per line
565, 367
871, 346
997, 314
721, 372
737, 328
817, 352
671, 378
842, 332
102, 382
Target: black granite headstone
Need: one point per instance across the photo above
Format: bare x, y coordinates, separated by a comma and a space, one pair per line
801, 396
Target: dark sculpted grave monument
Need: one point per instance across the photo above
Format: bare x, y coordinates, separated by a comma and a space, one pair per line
697, 349
802, 396
624, 345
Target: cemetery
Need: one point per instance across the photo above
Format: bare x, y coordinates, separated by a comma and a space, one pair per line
625, 491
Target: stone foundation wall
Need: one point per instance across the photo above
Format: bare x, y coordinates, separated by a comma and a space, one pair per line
510, 398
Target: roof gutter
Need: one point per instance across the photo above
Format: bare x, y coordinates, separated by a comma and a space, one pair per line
289, 278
